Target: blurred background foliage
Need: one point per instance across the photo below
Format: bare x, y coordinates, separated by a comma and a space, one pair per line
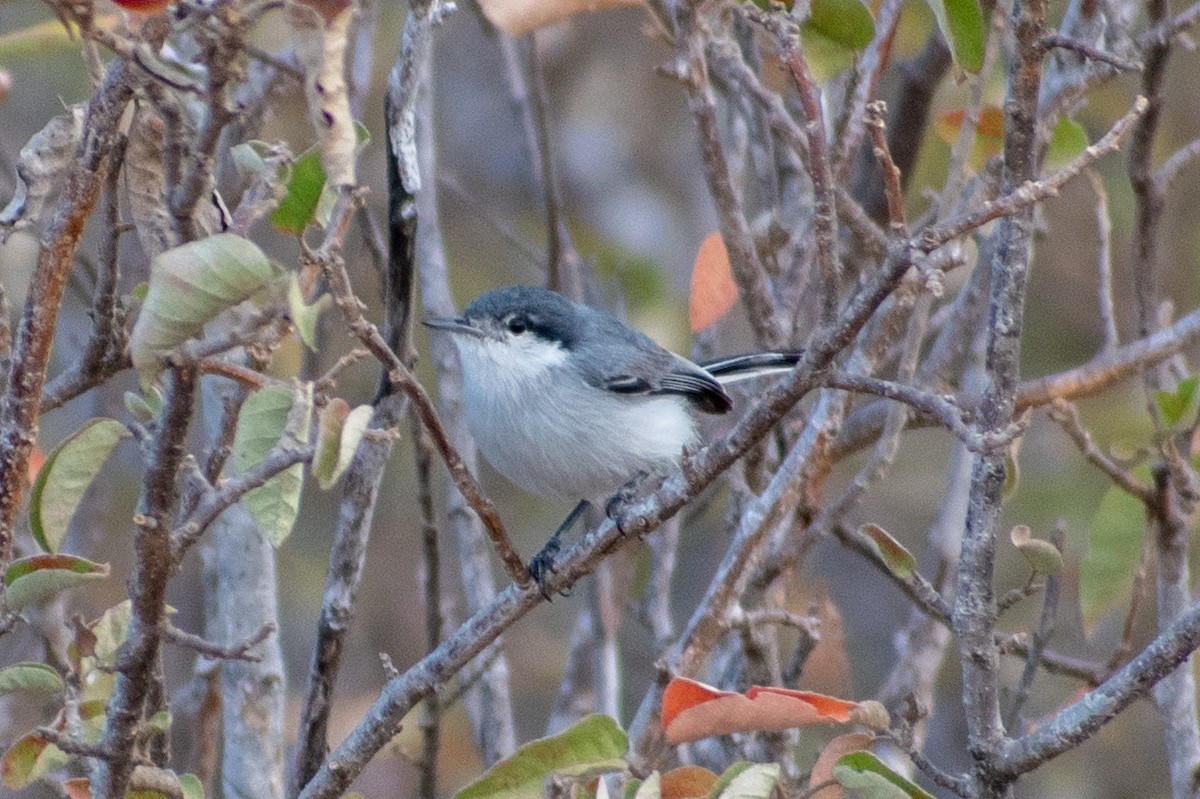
638, 207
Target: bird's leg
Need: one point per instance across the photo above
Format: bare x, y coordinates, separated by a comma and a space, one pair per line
542, 564
626, 494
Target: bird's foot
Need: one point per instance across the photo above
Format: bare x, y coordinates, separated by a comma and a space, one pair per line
541, 566
634, 489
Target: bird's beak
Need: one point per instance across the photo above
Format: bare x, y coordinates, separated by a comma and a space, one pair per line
453, 324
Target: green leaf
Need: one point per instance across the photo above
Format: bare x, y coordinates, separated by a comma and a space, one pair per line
28, 760
305, 188
1043, 557
869, 778
1113, 551
192, 787
1174, 404
1068, 141
29, 581
899, 560
265, 417
339, 431
845, 22
30, 677
594, 745
747, 781
43, 39
110, 631
189, 286
650, 788
65, 477
961, 24
305, 316
352, 434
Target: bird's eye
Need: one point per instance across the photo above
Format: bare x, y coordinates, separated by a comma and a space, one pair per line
517, 324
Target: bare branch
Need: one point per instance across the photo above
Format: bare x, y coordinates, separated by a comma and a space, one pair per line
238, 651
1077, 722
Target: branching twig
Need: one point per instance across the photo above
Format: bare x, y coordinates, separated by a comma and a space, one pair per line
238, 651
1031, 192
1067, 416
1052, 40
35, 332
330, 261
1077, 722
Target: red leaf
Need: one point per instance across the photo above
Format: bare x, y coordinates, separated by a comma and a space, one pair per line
713, 290
143, 6
693, 710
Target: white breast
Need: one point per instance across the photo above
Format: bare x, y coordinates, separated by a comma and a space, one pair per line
545, 429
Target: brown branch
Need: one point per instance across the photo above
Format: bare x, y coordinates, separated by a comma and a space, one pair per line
825, 223
35, 332
877, 129
563, 262
334, 268
1067, 417
138, 657
1031, 192
748, 272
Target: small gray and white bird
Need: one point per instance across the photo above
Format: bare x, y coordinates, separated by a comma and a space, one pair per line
568, 402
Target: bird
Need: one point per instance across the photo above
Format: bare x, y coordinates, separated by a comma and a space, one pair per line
569, 403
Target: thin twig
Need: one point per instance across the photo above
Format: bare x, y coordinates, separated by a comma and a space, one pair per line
748, 271
1052, 40
328, 257
877, 129
941, 407
528, 86
1171, 168
1108, 316
1067, 416
1030, 192
238, 651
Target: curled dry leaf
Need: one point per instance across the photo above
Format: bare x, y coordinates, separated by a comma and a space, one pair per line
320, 38
40, 165
518, 17
692, 710
145, 183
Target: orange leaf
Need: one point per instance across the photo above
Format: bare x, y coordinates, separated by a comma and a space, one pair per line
693, 710
713, 289
36, 459
687, 782
77, 788
989, 134
822, 770
683, 693
828, 707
